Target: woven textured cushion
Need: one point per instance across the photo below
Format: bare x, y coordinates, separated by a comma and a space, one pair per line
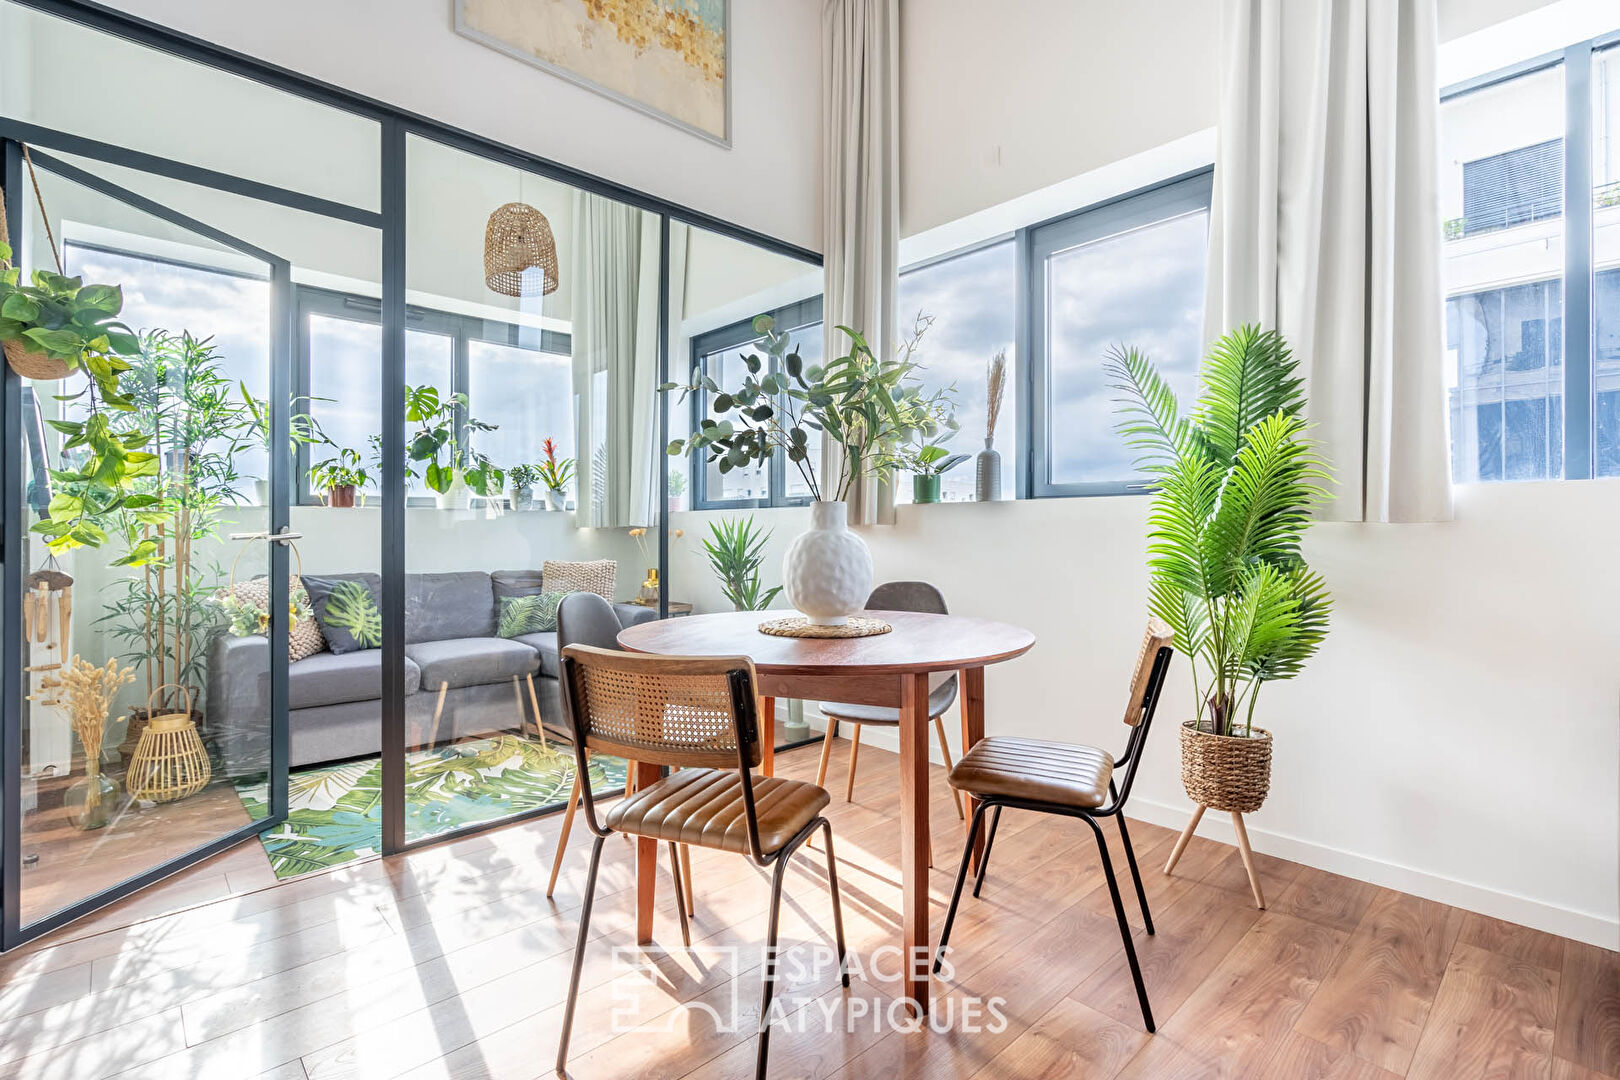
303, 636
1037, 770
705, 807
566, 577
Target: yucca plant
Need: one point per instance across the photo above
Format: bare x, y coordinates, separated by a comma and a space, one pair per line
736, 550
1236, 481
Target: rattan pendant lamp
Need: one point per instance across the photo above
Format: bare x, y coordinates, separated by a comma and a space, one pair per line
518, 238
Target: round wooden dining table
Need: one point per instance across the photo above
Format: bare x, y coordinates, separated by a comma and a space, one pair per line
886, 669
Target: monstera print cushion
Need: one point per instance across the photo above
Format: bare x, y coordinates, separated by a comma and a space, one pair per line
534, 614
349, 609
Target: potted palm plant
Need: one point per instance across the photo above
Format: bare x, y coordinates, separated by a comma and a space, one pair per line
736, 550
865, 405
1236, 480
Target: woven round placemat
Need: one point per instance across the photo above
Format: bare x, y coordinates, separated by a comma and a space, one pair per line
799, 626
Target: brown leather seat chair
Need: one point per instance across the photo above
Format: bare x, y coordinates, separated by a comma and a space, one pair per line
1075, 781
697, 715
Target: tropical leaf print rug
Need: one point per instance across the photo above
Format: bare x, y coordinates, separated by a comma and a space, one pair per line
335, 811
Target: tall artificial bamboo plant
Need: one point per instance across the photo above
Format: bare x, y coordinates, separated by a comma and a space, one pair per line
1236, 482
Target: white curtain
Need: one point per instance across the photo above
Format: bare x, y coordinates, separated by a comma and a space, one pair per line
614, 266
1326, 227
860, 136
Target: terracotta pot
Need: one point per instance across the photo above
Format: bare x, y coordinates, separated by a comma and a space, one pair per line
341, 496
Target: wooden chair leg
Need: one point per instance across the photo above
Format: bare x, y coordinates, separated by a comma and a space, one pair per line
945, 749
854, 752
1186, 835
686, 878
438, 708
535, 703
826, 751
562, 837
629, 779
1248, 859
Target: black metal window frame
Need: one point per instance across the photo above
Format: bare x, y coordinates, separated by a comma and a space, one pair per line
1580, 445
1175, 197
793, 318
462, 330
394, 126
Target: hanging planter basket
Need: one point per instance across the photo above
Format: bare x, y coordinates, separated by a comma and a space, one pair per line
1226, 772
25, 360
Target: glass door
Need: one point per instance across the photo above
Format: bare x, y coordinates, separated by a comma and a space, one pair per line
146, 523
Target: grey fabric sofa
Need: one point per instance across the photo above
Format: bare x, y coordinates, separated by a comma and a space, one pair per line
461, 679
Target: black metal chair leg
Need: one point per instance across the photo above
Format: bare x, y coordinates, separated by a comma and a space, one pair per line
1130, 858
961, 879
1124, 927
984, 860
770, 966
680, 895
838, 912
579, 953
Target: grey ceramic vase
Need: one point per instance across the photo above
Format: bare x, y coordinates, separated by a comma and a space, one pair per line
987, 479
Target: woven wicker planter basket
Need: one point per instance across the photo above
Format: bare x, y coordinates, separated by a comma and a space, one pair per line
1226, 772
33, 364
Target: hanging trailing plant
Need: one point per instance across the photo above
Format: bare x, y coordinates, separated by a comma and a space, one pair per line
52, 327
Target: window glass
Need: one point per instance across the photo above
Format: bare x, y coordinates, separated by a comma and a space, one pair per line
162, 293
972, 300
1130, 273
527, 394
1502, 184
1606, 260
345, 383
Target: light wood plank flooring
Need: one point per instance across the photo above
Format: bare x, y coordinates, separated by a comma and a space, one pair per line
451, 962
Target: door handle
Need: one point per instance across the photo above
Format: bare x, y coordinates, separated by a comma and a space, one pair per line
285, 536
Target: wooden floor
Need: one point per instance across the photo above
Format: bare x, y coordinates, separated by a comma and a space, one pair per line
451, 963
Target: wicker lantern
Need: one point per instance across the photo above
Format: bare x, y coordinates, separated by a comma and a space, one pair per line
518, 238
170, 761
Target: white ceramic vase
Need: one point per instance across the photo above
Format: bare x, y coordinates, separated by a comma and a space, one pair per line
459, 497
827, 573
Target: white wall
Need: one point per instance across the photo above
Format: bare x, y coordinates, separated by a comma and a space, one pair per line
1457, 737
405, 52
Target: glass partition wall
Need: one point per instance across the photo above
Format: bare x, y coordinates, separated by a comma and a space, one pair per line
398, 389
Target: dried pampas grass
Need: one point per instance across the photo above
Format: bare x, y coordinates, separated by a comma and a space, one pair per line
996, 381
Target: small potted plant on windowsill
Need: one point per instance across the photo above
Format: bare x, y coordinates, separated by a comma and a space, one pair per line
455, 471
302, 430
523, 478
339, 477
555, 473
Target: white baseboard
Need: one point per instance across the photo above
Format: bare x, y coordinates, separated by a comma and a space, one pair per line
1583, 926
1538, 914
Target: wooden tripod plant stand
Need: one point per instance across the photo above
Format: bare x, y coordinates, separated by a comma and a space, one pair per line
1243, 849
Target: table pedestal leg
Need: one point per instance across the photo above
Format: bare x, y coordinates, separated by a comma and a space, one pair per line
971, 688
914, 839
646, 859
767, 733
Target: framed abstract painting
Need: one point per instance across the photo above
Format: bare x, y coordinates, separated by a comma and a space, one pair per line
667, 58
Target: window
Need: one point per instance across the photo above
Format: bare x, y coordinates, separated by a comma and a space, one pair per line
166, 294
972, 298
719, 354
1530, 194
517, 378
1128, 272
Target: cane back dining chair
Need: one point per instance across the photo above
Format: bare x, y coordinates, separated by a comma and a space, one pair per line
891, 596
584, 618
1068, 779
697, 714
